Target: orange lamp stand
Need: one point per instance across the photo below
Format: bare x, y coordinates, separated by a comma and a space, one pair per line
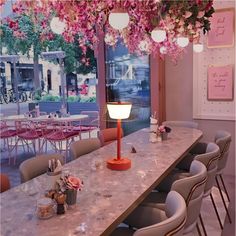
119, 163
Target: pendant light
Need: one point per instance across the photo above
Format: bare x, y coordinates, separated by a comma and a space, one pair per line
118, 19
197, 47
158, 35
182, 41
57, 26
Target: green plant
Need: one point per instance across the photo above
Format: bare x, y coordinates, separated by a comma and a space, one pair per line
88, 99
50, 98
73, 99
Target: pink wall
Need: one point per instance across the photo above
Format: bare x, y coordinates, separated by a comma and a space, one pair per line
179, 103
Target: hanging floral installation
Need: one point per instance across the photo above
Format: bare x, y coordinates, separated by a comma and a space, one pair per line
175, 20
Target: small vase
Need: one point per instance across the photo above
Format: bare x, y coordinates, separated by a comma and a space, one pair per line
71, 196
164, 136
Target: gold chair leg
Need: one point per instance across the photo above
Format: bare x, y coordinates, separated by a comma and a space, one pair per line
217, 214
198, 230
227, 194
222, 197
202, 224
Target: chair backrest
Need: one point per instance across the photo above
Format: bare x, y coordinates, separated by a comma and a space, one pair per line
175, 209
223, 140
36, 166
5, 183
93, 118
187, 124
84, 146
108, 135
191, 189
210, 160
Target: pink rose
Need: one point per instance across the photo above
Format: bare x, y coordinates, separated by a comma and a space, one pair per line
200, 14
187, 14
74, 182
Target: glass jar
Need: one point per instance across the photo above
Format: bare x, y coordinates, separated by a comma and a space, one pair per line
45, 208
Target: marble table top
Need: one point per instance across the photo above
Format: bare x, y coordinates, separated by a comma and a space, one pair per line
107, 197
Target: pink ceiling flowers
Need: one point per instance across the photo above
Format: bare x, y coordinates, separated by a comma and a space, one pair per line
83, 18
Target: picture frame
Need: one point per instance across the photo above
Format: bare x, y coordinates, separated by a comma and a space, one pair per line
220, 83
222, 29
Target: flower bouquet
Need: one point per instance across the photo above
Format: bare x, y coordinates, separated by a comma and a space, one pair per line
69, 185
163, 132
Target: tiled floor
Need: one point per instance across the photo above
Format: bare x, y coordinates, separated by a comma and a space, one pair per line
208, 214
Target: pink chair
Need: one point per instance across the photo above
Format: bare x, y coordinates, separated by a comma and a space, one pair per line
60, 132
89, 124
30, 132
9, 135
108, 135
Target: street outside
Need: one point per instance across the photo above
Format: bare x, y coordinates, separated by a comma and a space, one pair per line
11, 108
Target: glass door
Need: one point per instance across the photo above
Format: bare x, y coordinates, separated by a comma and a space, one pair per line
128, 79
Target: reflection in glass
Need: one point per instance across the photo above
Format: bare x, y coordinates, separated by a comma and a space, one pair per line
128, 79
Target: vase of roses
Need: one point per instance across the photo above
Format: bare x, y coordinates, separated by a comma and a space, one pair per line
70, 186
163, 131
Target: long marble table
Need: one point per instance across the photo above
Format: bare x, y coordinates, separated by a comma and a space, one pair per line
107, 197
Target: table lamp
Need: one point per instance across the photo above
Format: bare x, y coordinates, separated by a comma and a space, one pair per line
119, 111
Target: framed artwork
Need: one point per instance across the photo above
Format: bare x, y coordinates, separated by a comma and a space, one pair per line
220, 83
222, 29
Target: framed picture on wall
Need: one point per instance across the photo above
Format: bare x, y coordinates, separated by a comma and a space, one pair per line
220, 83
222, 29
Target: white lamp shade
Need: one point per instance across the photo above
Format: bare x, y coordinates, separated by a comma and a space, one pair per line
182, 41
118, 19
119, 110
198, 47
158, 35
57, 26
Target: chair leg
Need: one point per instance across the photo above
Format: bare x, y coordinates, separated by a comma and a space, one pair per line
202, 224
198, 230
221, 177
217, 214
222, 197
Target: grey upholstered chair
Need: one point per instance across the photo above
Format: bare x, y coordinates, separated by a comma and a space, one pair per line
152, 221
177, 123
36, 166
191, 187
210, 159
108, 135
84, 146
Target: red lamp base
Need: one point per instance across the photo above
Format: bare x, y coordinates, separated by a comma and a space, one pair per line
122, 164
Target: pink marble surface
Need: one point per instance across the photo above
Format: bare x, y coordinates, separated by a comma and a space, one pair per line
107, 197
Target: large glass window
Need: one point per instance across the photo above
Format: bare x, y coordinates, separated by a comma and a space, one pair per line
128, 79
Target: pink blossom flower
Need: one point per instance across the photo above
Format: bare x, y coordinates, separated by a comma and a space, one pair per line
187, 14
200, 14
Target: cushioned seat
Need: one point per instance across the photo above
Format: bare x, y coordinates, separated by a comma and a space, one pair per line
5, 183
191, 187
153, 221
36, 166
108, 135
84, 146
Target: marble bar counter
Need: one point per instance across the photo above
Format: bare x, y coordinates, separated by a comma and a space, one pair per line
107, 196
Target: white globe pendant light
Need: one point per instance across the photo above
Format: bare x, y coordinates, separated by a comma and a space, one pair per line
158, 35
57, 26
118, 19
182, 41
197, 47
163, 50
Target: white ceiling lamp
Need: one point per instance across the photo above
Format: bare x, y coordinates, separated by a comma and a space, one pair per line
197, 47
182, 41
163, 50
57, 26
118, 19
158, 35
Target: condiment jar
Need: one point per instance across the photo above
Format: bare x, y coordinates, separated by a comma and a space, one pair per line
45, 208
